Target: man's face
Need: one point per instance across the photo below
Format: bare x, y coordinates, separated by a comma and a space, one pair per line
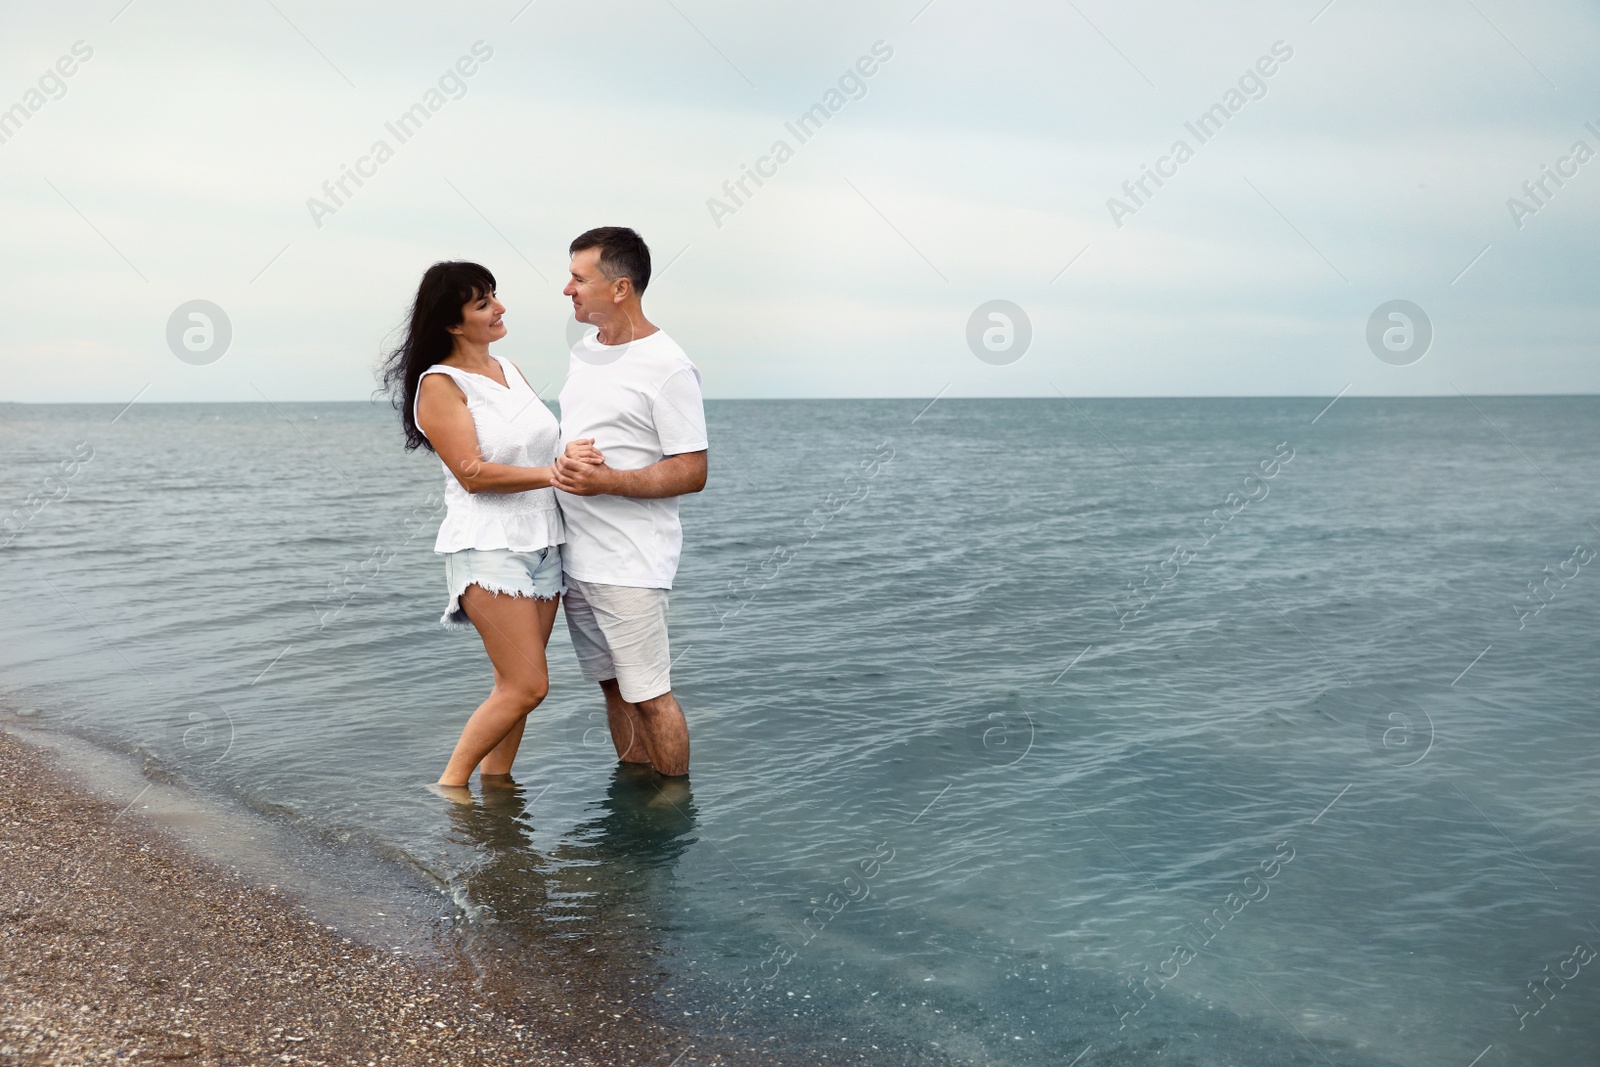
593, 295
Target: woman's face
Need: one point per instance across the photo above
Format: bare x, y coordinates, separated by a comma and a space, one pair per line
480, 320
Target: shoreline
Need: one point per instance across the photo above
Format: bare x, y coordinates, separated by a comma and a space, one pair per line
121, 942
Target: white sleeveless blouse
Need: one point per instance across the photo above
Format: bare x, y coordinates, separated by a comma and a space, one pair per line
516, 429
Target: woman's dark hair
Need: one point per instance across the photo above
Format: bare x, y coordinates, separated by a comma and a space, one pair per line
446, 288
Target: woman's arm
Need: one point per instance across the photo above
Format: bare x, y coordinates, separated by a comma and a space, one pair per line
442, 414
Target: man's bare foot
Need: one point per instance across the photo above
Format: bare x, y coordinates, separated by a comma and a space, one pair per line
670, 792
456, 794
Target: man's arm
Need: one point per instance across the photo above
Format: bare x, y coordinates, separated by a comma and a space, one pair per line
670, 476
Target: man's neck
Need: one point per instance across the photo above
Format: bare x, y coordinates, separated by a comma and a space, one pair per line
627, 326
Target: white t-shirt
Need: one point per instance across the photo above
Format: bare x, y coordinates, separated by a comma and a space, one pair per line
640, 402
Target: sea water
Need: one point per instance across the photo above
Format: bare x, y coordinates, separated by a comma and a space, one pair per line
1024, 731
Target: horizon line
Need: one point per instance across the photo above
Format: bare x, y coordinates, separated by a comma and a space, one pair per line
378, 401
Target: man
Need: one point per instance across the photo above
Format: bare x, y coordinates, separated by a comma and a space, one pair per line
634, 430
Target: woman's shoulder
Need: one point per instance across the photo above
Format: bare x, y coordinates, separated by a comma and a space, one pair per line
438, 374
437, 381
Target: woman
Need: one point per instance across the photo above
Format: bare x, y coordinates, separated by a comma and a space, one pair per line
501, 533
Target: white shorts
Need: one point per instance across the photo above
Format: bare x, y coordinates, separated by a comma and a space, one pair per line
619, 631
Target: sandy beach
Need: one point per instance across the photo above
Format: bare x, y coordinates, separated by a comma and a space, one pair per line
119, 945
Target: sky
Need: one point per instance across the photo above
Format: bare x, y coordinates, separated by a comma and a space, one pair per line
160, 152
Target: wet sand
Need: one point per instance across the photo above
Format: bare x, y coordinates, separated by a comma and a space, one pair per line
117, 945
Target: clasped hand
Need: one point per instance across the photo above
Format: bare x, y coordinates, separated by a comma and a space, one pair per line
582, 470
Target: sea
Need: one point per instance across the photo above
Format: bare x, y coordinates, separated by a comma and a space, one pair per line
1025, 732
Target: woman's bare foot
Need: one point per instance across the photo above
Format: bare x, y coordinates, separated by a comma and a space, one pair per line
456, 794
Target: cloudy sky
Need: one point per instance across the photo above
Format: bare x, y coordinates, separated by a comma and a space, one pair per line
185, 155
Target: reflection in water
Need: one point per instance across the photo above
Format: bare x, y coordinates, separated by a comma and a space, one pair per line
581, 921
608, 880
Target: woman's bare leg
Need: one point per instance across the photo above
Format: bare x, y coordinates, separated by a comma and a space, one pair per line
515, 631
498, 762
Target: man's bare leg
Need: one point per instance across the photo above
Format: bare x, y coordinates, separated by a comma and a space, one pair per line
666, 734
627, 732
653, 729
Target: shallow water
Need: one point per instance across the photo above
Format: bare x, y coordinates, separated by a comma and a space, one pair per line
1318, 786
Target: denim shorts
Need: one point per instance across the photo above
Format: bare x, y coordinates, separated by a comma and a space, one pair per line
500, 570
